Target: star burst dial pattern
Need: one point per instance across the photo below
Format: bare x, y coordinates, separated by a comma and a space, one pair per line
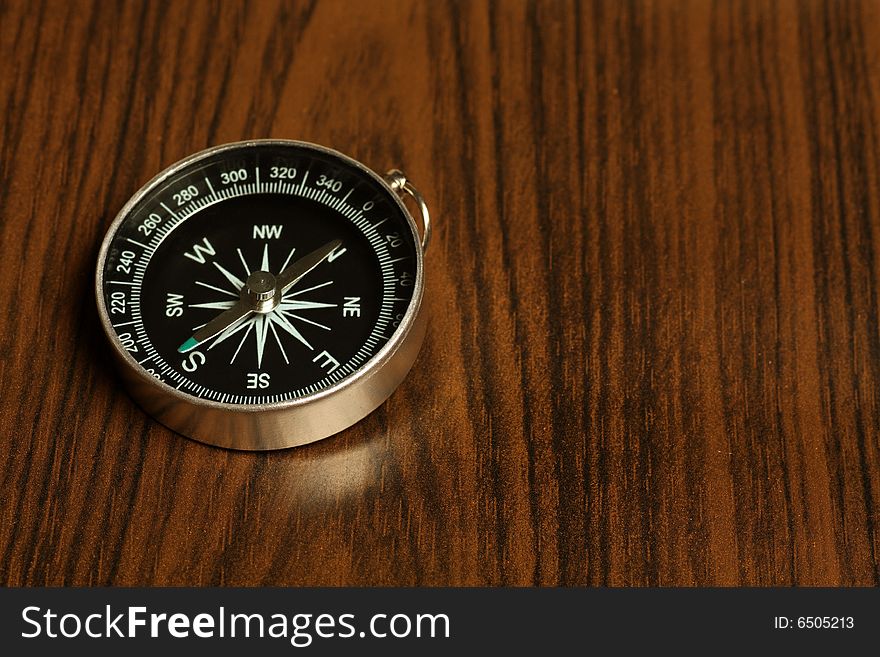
220, 234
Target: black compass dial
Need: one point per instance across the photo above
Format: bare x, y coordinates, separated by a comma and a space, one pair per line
194, 276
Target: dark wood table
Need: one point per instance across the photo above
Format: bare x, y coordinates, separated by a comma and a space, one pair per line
653, 355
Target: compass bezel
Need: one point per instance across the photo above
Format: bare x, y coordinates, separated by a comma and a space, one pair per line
284, 423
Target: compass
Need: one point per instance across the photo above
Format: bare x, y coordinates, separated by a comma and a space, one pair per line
264, 294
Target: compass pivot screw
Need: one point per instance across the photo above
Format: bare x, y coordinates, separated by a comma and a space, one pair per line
260, 286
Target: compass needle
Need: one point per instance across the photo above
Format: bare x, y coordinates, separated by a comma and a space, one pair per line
220, 323
290, 276
264, 294
232, 330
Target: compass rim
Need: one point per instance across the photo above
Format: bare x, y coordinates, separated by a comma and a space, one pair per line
375, 363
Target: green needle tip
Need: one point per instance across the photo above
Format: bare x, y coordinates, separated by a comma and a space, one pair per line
186, 346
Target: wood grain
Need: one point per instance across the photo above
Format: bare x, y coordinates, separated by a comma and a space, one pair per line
653, 355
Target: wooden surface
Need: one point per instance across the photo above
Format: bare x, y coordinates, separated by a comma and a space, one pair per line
653, 355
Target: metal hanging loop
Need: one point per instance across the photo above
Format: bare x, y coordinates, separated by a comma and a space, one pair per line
398, 183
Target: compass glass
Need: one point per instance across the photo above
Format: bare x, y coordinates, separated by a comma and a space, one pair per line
194, 274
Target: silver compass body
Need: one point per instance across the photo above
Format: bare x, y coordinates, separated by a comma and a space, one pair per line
264, 294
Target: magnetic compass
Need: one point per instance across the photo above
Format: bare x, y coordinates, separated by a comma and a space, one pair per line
264, 294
